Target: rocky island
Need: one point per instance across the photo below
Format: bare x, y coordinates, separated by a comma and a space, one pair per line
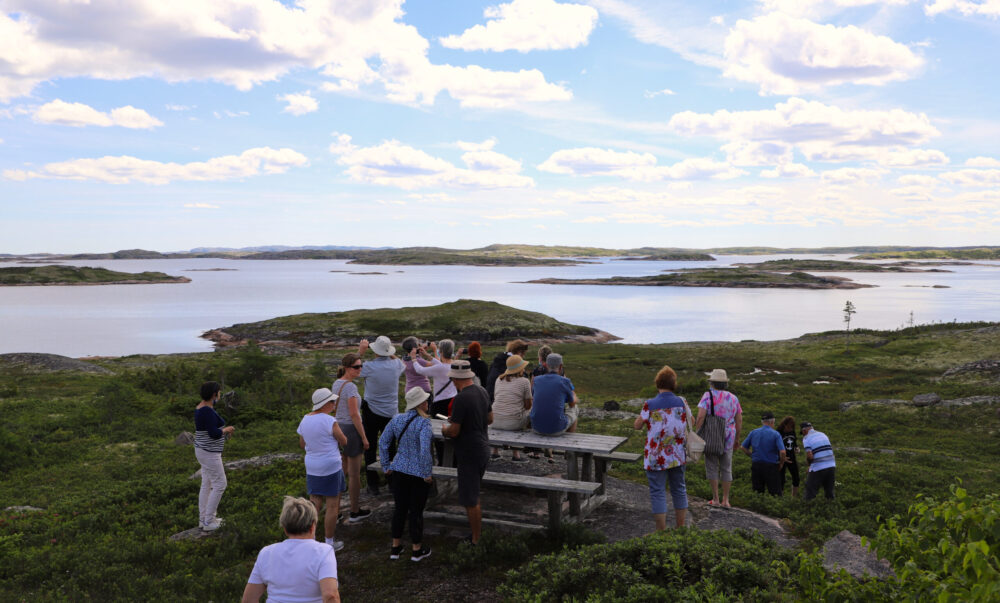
463, 320
718, 277
791, 265
80, 275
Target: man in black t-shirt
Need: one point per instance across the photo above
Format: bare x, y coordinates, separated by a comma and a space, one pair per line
471, 415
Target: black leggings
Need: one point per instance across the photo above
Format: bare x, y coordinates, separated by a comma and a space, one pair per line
374, 426
792, 468
410, 494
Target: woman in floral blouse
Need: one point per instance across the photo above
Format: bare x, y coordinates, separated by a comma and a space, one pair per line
665, 418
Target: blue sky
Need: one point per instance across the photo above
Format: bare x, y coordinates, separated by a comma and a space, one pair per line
461, 123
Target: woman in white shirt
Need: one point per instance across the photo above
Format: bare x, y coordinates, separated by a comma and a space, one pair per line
436, 365
321, 437
297, 568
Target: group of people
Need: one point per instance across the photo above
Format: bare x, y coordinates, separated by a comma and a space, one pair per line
470, 394
668, 419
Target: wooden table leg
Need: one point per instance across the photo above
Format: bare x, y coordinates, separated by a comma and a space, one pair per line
573, 472
555, 511
601, 474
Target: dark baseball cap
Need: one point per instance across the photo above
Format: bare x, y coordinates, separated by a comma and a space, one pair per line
767, 416
805, 424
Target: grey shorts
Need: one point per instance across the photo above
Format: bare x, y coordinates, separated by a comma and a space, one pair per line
719, 464
354, 446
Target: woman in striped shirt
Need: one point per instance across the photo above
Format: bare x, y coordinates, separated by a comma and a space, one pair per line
210, 431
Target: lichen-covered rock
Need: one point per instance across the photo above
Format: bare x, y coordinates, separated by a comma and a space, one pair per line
926, 399
184, 438
971, 400
846, 551
885, 402
257, 461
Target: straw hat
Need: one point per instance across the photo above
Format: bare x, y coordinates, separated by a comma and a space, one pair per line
719, 376
382, 346
515, 365
415, 396
321, 397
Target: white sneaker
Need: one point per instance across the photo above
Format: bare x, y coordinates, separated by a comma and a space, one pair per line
213, 525
337, 545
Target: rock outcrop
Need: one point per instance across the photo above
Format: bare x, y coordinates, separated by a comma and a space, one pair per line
257, 461
50, 363
846, 551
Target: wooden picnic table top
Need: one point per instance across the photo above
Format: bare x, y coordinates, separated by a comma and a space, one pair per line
587, 443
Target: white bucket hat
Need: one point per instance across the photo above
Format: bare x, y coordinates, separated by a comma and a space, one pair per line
461, 369
382, 346
719, 376
321, 397
415, 396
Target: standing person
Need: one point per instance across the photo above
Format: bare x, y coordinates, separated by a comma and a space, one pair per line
413, 378
499, 364
210, 431
727, 406
348, 416
381, 399
554, 409
819, 454
665, 418
471, 416
437, 363
512, 403
787, 431
297, 568
320, 435
541, 369
409, 472
767, 451
480, 368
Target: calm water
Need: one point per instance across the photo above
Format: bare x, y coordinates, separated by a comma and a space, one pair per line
164, 318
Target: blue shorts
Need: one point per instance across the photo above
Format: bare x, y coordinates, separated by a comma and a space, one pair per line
326, 485
658, 489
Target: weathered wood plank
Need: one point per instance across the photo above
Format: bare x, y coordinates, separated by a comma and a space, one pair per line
570, 442
457, 519
573, 473
621, 457
516, 480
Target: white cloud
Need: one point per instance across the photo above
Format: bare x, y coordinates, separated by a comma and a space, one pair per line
918, 180
485, 145
973, 177
299, 104
788, 55
200, 206
125, 169
78, 115
664, 92
249, 42
822, 8
986, 8
851, 175
591, 220
526, 25
392, 163
820, 132
986, 162
591, 161
171, 107
788, 170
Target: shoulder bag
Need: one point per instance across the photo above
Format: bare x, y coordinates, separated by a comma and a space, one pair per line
394, 442
713, 430
694, 446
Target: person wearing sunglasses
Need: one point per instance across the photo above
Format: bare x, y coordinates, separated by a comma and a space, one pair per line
349, 417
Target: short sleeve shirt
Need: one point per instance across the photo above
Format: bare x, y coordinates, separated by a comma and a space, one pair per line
381, 377
292, 569
343, 408
817, 443
470, 410
322, 450
727, 406
666, 418
766, 444
788, 437
509, 397
552, 393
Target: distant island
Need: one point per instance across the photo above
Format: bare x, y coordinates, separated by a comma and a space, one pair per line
463, 320
832, 266
740, 278
80, 275
952, 253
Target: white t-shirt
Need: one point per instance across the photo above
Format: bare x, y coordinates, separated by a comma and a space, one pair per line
322, 450
292, 569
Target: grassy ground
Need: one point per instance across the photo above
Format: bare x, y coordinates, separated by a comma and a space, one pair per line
96, 453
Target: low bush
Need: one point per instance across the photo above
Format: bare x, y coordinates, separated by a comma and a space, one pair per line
683, 564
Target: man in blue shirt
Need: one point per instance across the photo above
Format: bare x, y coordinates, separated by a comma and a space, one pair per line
819, 453
766, 450
553, 407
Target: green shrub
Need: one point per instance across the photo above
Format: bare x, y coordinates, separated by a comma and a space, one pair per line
681, 564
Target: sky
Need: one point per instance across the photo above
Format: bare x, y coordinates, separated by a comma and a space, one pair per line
459, 123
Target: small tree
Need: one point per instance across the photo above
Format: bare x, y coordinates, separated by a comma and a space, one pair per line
849, 310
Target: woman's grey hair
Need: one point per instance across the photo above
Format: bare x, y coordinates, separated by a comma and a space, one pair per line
543, 353
447, 348
410, 343
297, 516
719, 385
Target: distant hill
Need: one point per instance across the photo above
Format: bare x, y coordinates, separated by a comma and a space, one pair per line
936, 253
277, 248
80, 275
